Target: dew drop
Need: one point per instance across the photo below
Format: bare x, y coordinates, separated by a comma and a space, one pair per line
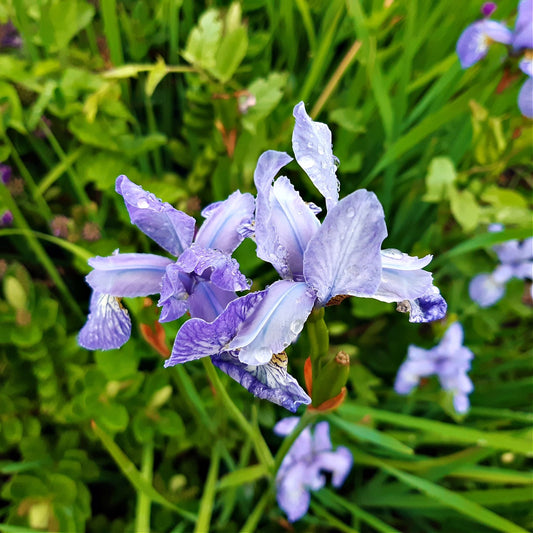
309, 145
320, 150
306, 162
350, 213
336, 161
392, 253
142, 203
296, 326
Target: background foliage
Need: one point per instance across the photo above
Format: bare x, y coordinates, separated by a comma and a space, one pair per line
110, 441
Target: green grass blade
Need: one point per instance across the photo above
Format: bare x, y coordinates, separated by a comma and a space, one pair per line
208, 496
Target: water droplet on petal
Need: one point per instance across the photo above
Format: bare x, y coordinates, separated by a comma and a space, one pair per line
296, 326
336, 161
392, 253
320, 150
306, 162
350, 213
309, 145
142, 203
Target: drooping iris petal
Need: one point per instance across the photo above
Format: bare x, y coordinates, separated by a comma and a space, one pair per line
275, 322
474, 42
292, 494
174, 293
221, 269
127, 274
523, 32
343, 257
339, 463
269, 382
525, 98
485, 291
222, 229
398, 285
198, 338
207, 301
173, 230
311, 142
321, 439
285, 426
108, 325
428, 308
290, 225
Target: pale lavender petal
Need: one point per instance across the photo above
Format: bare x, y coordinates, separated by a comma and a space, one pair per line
429, 307
292, 495
225, 221
526, 249
108, 325
275, 323
268, 245
461, 403
214, 265
525, 98
175, 287
127, 274
474, 42
311, 142
289, 226
301, 450
509, 252
343, 257
322, 442
452, 341
503, 273
286, 426
526, 66
523, 32
198, 338
207, 301
338, 463
173, 230
269, 382
399, 285
392, 258
523, 270
485, 291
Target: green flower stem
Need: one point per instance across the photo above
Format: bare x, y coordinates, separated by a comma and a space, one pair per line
318, 339
142, 512
257, 513
208, 496
261, 447
152, 128
20, 222
74, 179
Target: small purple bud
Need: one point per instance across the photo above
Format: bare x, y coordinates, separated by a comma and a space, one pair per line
6, 219
488, 8
5, 174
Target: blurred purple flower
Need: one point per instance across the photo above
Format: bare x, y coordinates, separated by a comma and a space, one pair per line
9, 36
6, 219
203, 279
523, 31
5, 174
449, 360
301, 470
488, 8
516, 261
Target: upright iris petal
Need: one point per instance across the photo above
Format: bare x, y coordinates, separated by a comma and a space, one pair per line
523, 32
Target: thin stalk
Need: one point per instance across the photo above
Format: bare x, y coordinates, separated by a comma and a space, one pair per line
335, 79
25, 30
208, 497
152, 128
261, 447
142, 512
29, 181
303, 8
74, 179
39, 252
257, 513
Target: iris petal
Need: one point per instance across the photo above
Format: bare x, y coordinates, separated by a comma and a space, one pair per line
274, 323
108, 325
311, 142
225, 221
525, 98
343, 257
127, 274
269, 382
173, 230
485, 291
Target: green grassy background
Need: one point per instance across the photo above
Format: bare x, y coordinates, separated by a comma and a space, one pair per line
111, 441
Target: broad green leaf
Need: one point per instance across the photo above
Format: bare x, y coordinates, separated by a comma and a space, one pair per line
440, 178
230, 53
465, 209
203, 41
242, 476
155, 75
368, 434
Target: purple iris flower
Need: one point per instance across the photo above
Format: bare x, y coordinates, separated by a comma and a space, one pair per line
525, 96
5, 174
302, 467
516, 261
317, 262
9, 36
474, 42
523, 31
203, 279
449, 360
6, 219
